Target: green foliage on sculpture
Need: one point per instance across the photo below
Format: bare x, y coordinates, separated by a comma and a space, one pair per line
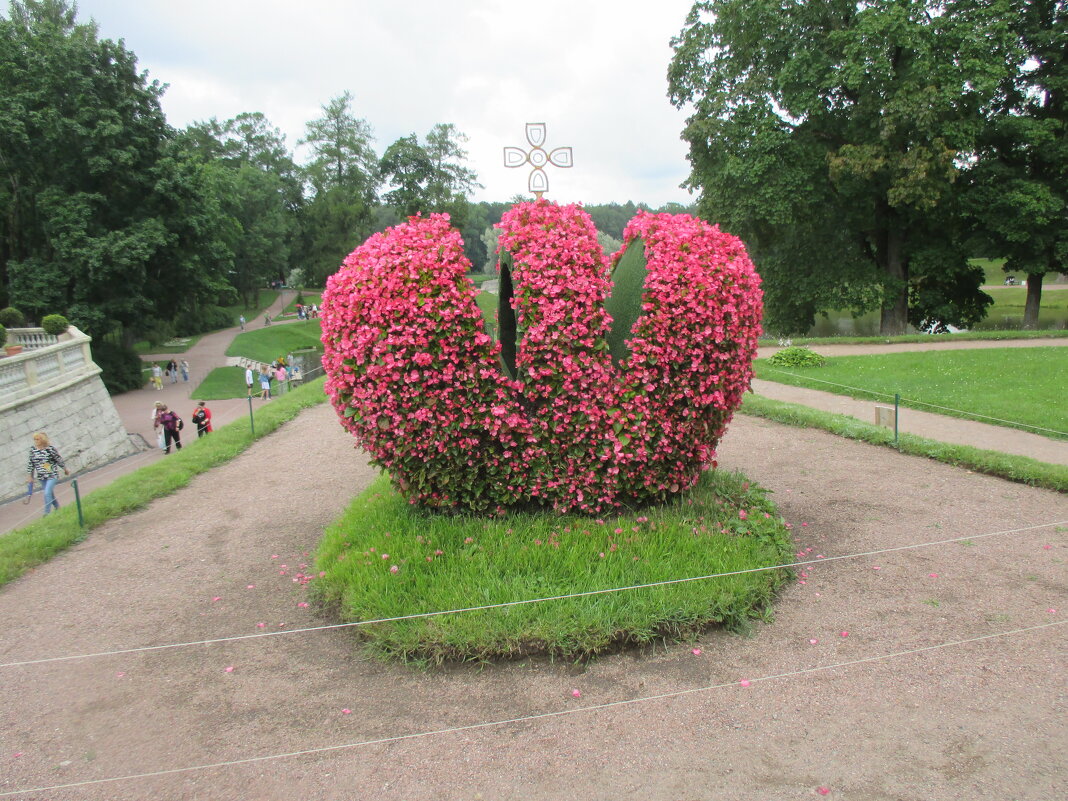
544, 417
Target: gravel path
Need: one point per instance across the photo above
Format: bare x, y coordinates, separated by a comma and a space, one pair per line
980, 720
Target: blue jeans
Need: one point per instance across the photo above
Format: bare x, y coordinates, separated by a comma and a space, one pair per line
49, 487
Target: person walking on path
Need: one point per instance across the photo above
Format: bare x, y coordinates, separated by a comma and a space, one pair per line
172, 429
202, 418
44, 465
249, 379
172, 371
241, 320
157, 376
280, 376
184, 367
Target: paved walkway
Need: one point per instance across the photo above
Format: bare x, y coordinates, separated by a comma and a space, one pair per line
135, 410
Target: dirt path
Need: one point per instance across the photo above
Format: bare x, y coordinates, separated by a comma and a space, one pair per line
982, 720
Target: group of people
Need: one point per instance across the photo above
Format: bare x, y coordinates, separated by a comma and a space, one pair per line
169, 425
171, 371
307, 311
278, 371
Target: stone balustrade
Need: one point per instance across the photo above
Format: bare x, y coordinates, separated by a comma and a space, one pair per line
45, 365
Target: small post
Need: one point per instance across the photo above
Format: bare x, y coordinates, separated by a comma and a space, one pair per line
251, 417
78, 502
897, 411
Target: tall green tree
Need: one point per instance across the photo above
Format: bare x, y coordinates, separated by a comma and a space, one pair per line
102, 217
342, 178
829, 134
1019, 197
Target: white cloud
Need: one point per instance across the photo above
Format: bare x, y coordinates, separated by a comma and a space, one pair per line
593, 70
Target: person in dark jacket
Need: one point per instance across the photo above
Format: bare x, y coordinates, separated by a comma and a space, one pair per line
202, 418
172, 429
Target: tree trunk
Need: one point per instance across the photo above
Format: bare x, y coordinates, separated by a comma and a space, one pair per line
1034, 300
892, 262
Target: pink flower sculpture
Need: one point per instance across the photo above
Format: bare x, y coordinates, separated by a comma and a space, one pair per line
560, 412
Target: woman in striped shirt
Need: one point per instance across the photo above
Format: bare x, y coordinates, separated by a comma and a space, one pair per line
44, 465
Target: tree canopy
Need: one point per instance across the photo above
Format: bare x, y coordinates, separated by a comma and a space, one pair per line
830, 134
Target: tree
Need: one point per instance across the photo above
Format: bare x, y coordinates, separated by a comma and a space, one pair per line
430, 177
342, 156
103, 218
829, 135
343, 179
1019, 197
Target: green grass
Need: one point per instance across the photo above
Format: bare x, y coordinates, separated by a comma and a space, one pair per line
263, 301
1022, 385
487, 304
451, 562
222, 383
267, 343
36, 543
1014, 468
909, 339
182, 344
1008, 309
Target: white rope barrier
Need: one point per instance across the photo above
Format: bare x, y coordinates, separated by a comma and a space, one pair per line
503, 604
529, 718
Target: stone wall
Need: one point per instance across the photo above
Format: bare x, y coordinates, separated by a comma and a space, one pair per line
54, 386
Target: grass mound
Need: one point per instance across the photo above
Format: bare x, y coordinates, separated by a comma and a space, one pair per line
386, 559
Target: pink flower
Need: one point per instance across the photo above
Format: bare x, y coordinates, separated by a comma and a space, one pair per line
576, 693
469, 540
743, 515
744, 682
303, 605
261, 625
696, 652
823, 790
394, 569
346, 711
844, 634
385, 556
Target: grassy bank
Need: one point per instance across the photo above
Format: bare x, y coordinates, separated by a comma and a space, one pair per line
1013, 468
1020, 387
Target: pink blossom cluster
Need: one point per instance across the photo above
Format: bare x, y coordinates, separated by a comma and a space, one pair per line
418, 381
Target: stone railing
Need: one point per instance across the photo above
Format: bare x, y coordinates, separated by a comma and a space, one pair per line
46, 364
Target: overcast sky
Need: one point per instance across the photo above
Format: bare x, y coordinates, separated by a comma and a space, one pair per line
593, 70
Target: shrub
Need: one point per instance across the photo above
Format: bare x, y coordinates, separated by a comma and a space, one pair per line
207, 318
414, 376
120, 367
3, 336
55, 324
12, 318
797, 356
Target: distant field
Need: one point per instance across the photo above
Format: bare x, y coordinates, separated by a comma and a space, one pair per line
1022, 385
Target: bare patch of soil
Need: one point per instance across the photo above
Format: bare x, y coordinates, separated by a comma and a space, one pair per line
983, 720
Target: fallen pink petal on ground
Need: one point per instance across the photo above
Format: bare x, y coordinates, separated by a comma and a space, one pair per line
745, 682
230, 669
576, 693
696, 652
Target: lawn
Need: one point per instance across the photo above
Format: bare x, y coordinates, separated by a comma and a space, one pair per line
1008, 308
385, 558
222, 383
1022, 385
267, 343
